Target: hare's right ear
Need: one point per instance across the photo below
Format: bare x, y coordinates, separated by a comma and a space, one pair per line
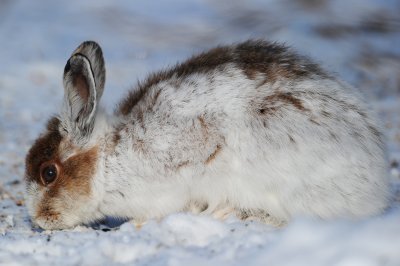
84, 77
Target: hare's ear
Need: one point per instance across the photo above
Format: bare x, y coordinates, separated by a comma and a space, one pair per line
84, 77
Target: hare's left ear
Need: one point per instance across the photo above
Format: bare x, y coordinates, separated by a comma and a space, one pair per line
84, 77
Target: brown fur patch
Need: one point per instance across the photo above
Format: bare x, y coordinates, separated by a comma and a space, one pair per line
267, 110
78, 171
53, 124
115, 138
203, 123
287, 98
273, 102
74, 174
44, 149
274, 60
253, 57
214, 154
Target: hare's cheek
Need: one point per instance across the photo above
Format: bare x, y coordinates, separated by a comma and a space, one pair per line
78, 173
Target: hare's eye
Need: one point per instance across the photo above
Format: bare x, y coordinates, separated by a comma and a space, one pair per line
49, 174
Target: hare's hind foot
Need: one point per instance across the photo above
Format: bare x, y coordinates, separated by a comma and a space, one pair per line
259, 216
224, 211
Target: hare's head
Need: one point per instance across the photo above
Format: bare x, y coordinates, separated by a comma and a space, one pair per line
61, 164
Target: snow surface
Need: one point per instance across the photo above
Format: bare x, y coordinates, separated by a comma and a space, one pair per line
358, 39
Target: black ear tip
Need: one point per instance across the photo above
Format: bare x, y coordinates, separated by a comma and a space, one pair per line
91, 45
91, 50
67, 67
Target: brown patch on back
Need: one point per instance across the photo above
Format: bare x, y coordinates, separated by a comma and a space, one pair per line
274, 60
273, 102
202, 63
267, 110
287, 98
253, 57
214, 154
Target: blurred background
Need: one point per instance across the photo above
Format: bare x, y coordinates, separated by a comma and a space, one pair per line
357, 39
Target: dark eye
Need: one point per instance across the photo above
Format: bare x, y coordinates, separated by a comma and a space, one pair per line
49, 173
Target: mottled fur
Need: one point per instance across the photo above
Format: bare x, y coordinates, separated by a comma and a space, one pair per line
250, 129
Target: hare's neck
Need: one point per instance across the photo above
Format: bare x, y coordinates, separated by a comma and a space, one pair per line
133, 174
112, 157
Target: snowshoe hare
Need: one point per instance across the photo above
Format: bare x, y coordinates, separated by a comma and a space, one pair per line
250, 129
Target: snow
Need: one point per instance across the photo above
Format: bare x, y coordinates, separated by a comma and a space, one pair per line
360, 40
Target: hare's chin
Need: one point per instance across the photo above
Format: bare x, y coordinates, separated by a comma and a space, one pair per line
49, 224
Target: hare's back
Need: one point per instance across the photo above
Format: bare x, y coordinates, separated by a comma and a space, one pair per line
223, 73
